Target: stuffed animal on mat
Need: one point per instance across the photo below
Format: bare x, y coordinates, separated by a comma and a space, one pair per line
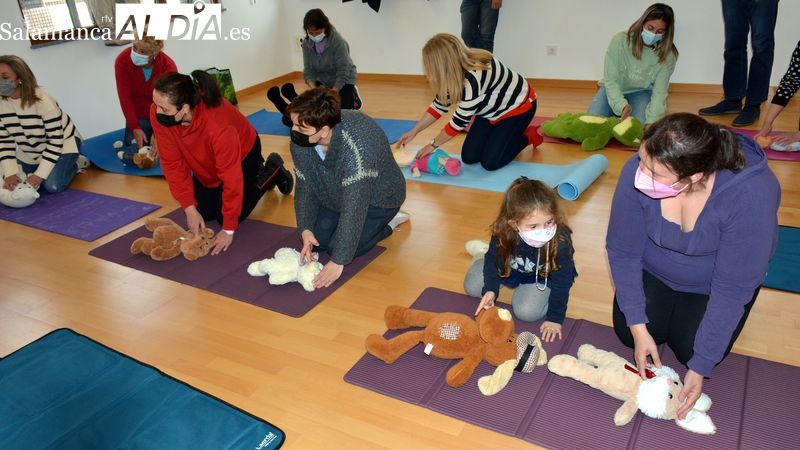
530, 354
22, 196
657, 397
170, 240
285, 267
437, 162
449, 335
594, 132
144, 159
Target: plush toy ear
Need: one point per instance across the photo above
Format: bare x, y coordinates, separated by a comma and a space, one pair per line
697, 422
494, 383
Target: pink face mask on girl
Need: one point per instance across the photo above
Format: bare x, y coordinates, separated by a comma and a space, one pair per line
652, 188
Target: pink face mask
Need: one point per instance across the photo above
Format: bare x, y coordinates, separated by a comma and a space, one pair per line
652, 188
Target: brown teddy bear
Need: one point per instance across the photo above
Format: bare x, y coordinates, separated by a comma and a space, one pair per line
449, 335
656, 397
169, 240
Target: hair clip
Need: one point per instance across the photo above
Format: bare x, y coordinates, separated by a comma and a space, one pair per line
522, 178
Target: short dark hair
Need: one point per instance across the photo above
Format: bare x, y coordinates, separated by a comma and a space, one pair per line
317, 107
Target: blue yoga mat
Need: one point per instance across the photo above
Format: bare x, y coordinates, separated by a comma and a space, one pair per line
101, 152
67, 391
784, 266
570, 180
269, 122
78, 214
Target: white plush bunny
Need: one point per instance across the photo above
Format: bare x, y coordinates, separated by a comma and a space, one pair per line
285, 267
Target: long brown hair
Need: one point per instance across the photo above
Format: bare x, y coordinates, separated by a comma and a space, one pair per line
446, 60
26, 78
656, 11
523, 198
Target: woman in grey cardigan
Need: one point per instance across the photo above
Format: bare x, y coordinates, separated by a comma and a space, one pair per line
326, 62
349, 188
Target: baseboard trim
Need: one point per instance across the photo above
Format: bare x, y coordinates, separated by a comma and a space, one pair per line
697, 88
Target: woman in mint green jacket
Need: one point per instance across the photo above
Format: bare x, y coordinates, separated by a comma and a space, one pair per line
638, 65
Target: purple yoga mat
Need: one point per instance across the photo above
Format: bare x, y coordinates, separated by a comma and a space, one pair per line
753, 400
78, 214
226, 273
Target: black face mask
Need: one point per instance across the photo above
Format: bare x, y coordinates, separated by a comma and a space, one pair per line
301, 139
167, 120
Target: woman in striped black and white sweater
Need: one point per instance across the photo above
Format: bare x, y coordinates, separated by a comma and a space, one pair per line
37, 138
499, 102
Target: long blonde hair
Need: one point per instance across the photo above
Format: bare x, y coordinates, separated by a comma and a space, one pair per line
446, 60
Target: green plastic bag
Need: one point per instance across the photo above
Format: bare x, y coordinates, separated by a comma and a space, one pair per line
225, 83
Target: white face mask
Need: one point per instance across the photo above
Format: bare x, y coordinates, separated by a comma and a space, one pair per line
318, 38
538, 236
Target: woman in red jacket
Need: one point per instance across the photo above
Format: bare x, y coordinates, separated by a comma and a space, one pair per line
210, 154
135, 69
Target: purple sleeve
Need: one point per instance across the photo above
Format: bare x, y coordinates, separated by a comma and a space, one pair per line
625, 245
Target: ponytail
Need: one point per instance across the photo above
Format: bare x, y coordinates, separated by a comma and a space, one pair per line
207, 88
183, 89
730, 152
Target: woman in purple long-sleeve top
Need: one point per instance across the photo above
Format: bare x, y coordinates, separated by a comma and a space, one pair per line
692, 228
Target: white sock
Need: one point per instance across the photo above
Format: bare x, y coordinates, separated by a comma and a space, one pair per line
399, 218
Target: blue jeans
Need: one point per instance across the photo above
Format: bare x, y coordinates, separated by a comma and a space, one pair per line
496, 145
376, 228
478, 22
61, 175
638, 101
756, 18
144, 124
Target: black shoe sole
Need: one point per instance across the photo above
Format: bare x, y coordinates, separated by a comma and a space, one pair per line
288, 91
274, 95
721, 113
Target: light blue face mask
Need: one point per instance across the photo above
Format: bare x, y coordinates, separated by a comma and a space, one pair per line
318, 38
6, 87
138, 59
650, 38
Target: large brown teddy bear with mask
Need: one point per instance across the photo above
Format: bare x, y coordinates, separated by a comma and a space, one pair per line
170, 240
448, 335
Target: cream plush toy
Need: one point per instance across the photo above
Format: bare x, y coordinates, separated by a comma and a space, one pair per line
285, 267
657, 397
22, 196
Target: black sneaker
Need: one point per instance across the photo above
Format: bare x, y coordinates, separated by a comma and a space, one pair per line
723, 107
748, 116
272, 174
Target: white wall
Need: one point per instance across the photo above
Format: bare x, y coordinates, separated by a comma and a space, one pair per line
390, 41
81, 75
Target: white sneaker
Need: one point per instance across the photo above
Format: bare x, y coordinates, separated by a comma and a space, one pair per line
83, 163
476, 248
399, 218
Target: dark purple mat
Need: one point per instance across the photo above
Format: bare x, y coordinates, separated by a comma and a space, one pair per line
226, 273
78, 214
753, 399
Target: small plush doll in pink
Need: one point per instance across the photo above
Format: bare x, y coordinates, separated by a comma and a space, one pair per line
436, 162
